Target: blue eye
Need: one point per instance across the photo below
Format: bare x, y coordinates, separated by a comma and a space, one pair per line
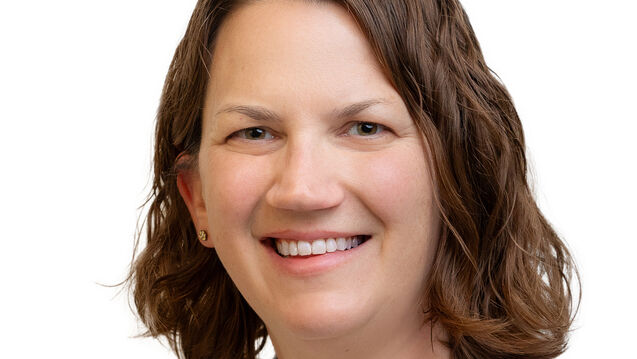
365, 129
253, 134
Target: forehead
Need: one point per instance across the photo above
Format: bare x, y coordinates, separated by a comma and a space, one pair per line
272, 50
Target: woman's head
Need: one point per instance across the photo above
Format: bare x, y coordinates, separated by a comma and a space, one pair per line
305, 139
302, 120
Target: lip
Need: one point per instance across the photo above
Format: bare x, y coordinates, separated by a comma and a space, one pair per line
312, 265
309, 236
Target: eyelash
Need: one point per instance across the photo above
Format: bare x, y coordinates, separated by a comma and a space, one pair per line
242, 133
378, 129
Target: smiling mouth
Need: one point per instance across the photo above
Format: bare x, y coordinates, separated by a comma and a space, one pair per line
294, 248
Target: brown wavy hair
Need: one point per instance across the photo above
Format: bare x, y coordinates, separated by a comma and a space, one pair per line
501, 282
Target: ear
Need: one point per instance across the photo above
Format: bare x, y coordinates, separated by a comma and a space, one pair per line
189, 185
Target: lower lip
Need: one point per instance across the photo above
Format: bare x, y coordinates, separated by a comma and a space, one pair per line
304, 266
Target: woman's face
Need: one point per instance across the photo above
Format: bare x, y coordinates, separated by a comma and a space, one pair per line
305, 139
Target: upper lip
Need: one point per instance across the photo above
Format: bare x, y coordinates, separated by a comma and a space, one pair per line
309, 236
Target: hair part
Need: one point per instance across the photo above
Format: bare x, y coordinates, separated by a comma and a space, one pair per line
500, 284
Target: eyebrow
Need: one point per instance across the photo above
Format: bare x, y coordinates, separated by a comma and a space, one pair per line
259, 113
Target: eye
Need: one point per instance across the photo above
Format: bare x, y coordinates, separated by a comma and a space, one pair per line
253, 134
365, 129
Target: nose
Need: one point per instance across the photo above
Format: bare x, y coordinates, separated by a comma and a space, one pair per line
307, 178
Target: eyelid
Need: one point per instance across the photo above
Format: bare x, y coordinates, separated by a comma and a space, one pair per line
382, 129
241, 134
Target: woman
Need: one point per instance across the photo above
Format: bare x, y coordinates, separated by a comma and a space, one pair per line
349, 178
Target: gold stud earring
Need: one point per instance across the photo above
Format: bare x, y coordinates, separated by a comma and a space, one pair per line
203, 236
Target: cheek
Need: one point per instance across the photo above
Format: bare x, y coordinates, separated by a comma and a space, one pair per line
398, 191
396, 184
233, 187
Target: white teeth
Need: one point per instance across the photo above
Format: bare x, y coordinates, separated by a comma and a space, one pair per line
285, 248
305, 248
330, 245
279, 246
293, 248
317, 246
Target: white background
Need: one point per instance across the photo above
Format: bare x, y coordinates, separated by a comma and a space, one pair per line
79, 87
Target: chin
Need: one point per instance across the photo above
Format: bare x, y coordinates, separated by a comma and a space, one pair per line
324, 316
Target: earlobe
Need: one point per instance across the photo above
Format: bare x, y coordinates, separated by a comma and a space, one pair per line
190, 189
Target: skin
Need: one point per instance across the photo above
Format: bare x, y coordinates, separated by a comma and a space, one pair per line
316, 171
